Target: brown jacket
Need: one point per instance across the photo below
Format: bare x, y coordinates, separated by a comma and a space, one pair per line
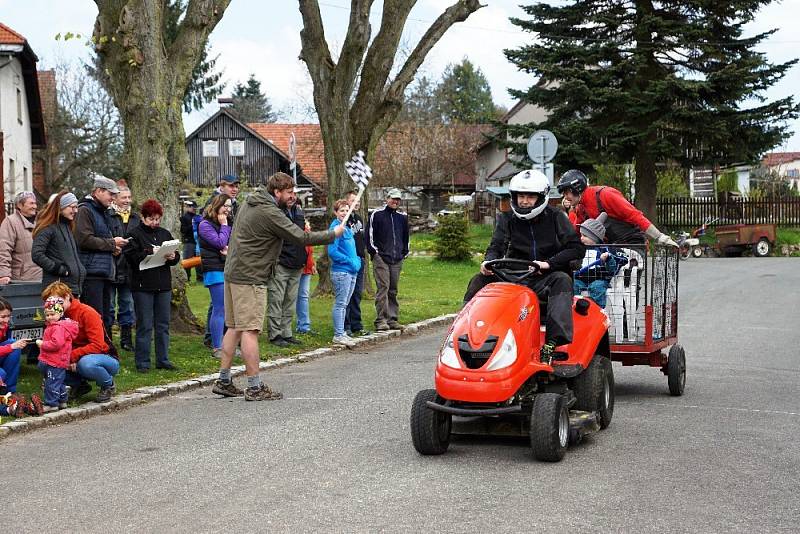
15, 250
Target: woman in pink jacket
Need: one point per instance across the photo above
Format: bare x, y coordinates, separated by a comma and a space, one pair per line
54, 353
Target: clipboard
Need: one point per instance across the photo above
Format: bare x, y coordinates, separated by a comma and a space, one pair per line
157, 258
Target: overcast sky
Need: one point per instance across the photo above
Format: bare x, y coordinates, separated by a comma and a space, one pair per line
263, 37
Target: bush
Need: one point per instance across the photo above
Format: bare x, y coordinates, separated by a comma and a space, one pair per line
451, 238
728, 181
672, 184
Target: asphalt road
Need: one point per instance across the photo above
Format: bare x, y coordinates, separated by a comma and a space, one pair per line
336, 455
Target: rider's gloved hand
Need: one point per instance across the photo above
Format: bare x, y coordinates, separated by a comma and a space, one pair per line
484, 270
664, 239
661, 238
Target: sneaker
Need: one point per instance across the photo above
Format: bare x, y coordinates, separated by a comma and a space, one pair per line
260, 393
62, 405
360, 333
344, 340
217, 354
394, 325
546, 353
48, 409
169, 366
278, 341
382, 327
77, 392
293, 340
35, 406
105, 394
226, 389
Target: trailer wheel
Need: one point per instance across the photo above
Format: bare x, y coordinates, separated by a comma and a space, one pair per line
594, 389
762, 248
676, 370
549, 427
430, 430
697, 252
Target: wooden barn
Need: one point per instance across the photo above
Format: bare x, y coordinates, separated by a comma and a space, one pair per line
224, 145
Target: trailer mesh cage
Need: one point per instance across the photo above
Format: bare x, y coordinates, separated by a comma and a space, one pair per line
637, 285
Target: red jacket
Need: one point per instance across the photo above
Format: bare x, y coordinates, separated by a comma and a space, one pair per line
57, 343
91, 336
614, 203
5, 350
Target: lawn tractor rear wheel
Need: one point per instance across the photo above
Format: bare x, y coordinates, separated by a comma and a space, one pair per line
697, 252
676, 370
430, 429
549, 427
594, 390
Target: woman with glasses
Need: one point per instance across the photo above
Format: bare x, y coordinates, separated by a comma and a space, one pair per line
213, 234
151, 288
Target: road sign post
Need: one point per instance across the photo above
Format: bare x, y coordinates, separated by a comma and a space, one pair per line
542, 147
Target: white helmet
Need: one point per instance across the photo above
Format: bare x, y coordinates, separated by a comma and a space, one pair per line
530, 181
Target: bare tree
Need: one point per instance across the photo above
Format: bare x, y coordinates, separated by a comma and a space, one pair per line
355, 100
147, 74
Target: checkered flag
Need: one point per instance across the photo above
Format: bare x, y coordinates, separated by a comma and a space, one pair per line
358, 170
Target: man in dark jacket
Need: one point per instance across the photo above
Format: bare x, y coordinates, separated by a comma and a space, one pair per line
543, 235
187, 236
387, 244
123, 219
97, 246
352, 319
282, 287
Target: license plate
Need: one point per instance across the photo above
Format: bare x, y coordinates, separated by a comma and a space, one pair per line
27, 333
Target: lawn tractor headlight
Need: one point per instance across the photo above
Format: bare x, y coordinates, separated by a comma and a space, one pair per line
448, 356
506, 354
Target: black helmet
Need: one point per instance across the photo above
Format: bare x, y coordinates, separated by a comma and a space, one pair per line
572, 179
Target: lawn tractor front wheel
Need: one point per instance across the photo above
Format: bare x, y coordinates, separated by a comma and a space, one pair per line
430, 429
549, 427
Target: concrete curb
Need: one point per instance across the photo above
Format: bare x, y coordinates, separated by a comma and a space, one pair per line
147, 394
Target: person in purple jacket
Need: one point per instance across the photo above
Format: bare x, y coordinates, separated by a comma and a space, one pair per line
213, 234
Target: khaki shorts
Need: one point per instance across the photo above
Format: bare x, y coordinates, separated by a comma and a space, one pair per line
245, 306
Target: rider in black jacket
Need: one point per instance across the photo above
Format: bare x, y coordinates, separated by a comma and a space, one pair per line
542, 234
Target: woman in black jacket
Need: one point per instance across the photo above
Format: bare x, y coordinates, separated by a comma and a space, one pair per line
151, 288
54, 248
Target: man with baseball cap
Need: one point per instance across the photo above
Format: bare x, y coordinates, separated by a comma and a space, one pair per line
97, 245
387, 244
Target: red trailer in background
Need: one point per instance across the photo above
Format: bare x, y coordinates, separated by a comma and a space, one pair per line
737, 238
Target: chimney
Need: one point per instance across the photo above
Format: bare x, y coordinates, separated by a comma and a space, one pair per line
224, 102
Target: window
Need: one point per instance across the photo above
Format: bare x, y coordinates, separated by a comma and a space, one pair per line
793, 173
210, 149
236, 147
12, 177
25, 178
19, 105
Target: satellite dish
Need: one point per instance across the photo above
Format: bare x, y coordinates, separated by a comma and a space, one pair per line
542, 146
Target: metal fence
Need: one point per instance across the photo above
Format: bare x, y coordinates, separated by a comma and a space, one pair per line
691, 212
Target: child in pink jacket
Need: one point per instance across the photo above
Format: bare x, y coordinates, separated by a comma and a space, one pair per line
54, 352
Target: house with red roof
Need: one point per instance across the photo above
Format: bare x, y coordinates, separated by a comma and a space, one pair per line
21, 119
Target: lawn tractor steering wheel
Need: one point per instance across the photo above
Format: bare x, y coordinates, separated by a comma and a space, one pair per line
512, 270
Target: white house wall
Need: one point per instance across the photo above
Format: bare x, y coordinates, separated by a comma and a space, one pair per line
16, 133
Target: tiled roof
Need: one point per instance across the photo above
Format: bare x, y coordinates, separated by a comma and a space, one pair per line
779, 158
310, 150
47, 92
9, 36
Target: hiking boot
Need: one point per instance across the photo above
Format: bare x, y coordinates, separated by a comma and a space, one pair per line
169, 366
394, 325
381, 327
79, 391
344, 340
35, 406
546, 353
125, 340
278, 341
261, 393
293, 340
105, 394
226, 389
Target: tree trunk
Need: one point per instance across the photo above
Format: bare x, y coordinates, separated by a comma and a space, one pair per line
147, 79
646, 183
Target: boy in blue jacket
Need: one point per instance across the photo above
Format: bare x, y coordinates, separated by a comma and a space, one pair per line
600, 263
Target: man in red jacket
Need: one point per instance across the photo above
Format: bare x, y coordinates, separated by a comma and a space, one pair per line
90, 358
625, 223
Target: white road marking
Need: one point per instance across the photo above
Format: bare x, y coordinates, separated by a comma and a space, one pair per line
724, 408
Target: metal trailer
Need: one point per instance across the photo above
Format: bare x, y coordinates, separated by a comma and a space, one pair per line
642, 310
736, 238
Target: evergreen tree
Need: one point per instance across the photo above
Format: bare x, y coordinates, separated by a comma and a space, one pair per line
464, 95
206, 84
421, 104
651, 81
250, 104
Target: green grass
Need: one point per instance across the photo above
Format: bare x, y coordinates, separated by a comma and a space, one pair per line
479, 237
428, 288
